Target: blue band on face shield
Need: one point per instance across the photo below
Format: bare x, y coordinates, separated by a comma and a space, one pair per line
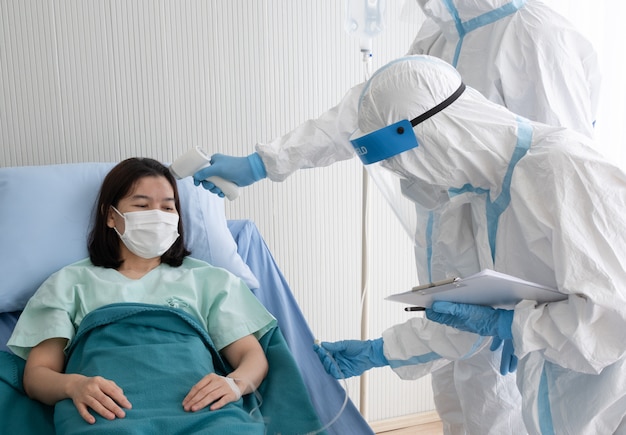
396, 138
385, 142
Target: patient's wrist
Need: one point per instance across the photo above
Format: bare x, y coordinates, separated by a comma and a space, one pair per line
236, 385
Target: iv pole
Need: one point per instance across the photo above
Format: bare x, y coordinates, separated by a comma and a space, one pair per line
364, 258
364, 17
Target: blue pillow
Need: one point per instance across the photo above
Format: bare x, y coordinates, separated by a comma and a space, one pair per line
45, 215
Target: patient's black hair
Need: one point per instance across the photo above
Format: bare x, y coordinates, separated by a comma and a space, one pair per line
104, 243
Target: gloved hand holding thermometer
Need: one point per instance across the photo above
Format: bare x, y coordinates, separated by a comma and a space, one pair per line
241, 171
193, 161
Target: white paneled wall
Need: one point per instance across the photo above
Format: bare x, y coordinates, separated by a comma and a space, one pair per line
103, 80
601, 22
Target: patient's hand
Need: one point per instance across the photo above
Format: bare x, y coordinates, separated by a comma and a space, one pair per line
99, 394
212, 389
45, 381
246, 356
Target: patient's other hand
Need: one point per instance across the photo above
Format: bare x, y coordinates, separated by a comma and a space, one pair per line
101, 395
212, 389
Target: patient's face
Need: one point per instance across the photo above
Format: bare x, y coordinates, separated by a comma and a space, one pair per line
150, 193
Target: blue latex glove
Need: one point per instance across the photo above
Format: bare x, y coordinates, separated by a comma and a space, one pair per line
508, 362
344, 359
485, 321
242, 171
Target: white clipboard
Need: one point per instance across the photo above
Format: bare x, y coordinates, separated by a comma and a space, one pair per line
484, 288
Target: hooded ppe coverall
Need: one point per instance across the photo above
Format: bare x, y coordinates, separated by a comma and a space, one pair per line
519, 53
539, 203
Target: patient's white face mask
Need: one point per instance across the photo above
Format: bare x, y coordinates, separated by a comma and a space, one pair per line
148, 234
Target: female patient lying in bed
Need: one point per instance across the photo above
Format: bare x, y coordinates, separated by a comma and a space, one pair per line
141, 314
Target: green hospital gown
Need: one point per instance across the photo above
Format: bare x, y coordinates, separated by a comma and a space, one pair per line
219, 300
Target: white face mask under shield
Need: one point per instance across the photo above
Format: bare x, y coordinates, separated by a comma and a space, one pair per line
150, 233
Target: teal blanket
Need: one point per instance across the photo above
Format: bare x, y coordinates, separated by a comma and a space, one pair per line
156, 354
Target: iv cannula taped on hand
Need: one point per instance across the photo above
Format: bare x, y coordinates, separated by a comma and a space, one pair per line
194, 160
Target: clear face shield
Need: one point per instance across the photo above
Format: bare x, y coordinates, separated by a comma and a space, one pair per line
390, 157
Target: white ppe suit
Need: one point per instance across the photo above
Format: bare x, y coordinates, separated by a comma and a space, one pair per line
505, 57
539, 203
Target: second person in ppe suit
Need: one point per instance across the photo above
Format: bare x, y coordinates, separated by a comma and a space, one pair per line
543, 206
518, 53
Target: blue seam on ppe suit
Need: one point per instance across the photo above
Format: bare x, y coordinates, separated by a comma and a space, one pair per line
414, 360
464, 28
431, 356
495, 208
543, 406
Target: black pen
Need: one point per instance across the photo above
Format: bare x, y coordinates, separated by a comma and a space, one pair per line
414, 309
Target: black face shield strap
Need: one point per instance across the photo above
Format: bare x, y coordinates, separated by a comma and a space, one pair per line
439, 107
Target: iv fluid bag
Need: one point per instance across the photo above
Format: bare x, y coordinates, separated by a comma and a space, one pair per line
364, 19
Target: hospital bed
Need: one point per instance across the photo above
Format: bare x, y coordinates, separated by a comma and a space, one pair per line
43, 227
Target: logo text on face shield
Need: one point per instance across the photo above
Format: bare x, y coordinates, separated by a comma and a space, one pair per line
360, 151
385, 142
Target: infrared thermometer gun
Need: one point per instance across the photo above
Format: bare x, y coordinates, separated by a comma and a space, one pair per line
194, 160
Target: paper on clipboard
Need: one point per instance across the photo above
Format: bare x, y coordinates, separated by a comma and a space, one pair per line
484, 288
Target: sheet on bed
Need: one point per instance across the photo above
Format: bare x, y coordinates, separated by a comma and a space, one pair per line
274, 292
7, 323
18, 413
157, 354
